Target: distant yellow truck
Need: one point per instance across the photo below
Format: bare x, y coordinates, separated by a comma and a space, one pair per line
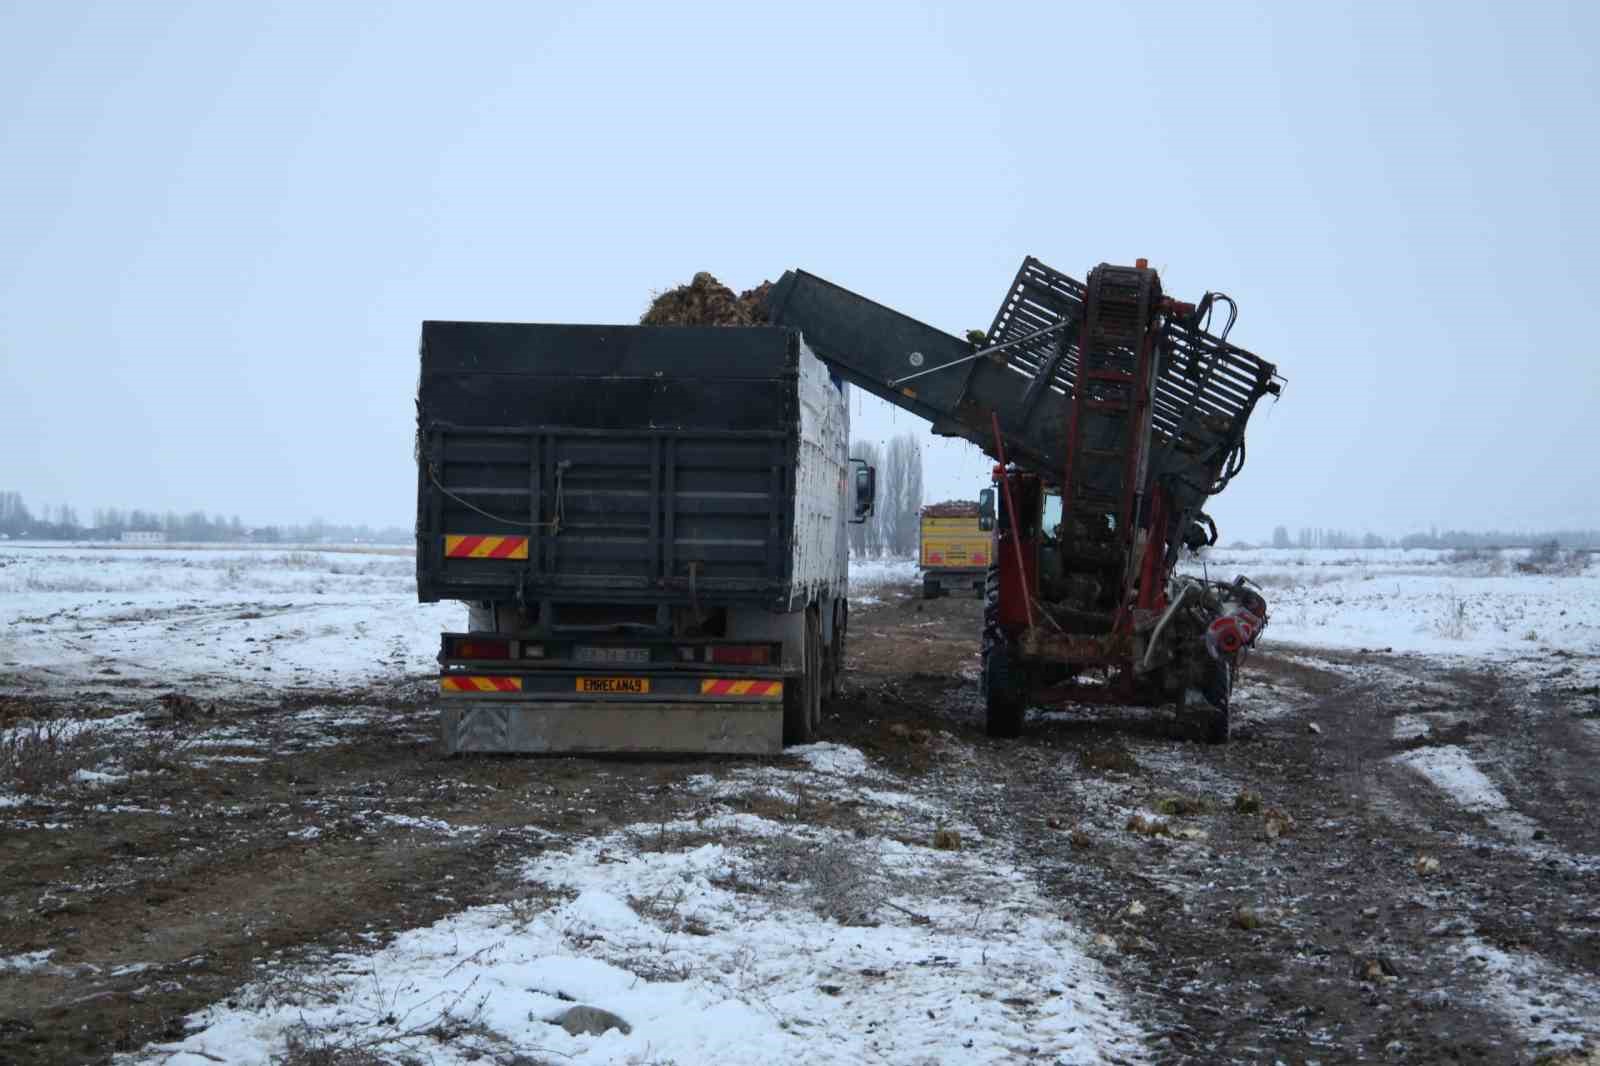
957, 546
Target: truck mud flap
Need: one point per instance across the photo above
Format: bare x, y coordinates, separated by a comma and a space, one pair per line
574, 727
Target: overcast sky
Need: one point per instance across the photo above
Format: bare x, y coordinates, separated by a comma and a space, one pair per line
222, 223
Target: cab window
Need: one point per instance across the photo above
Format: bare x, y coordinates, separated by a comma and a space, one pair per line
1052, 514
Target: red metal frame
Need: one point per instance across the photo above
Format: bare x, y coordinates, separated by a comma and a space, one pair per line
1023, 576
1152, 590
1136, 456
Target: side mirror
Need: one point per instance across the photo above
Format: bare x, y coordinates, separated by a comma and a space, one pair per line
986, 510
866, 481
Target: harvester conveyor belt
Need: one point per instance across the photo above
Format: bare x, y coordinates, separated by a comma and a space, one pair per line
1205, 387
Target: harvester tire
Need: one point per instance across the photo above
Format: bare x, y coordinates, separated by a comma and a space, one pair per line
1209, 706
1003, 702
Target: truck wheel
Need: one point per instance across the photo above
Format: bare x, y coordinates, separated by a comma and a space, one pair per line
802, 697
814, 675
841, 616
930, 588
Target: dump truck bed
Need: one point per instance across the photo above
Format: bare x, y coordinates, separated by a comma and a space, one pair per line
625, 464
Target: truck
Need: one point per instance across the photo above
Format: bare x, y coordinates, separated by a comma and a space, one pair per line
647, 526
1113, 412
955, 545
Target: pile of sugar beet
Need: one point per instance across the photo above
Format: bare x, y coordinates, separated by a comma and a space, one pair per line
951, 509
705, 301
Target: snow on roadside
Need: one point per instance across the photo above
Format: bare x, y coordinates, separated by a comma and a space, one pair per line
1550, 1008
832, 759
1451, 770
27, 962
869, 576
719, 938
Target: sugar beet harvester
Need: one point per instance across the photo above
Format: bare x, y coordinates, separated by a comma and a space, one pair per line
649, 525
1113, 414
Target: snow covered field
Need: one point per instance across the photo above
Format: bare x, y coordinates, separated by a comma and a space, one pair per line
1421, 602
1406, 601
213, 622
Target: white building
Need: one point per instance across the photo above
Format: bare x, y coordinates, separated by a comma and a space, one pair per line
143, 536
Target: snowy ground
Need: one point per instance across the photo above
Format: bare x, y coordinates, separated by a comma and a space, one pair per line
870, 577
769, 941
827, 906
1424, 602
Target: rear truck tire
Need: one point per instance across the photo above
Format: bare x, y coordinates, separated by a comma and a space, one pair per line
802, 695
814, 675
841, 617
930, 588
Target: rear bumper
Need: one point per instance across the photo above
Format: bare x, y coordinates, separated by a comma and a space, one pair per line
593, 726
954, 579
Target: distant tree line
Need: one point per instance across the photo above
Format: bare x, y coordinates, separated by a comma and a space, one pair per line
62, 523
893, 528
1326, 538
1454, 538
1569, 539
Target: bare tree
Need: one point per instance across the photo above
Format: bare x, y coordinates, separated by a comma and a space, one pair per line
905, 503
892, 529
864, 537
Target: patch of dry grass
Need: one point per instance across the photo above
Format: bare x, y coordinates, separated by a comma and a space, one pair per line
840, 878
38, 756
1102, 759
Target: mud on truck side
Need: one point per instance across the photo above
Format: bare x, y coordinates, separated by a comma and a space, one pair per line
647, 526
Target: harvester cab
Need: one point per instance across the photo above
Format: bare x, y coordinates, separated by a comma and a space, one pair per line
1113, 414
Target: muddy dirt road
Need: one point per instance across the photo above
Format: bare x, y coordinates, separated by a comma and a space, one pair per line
1395, 861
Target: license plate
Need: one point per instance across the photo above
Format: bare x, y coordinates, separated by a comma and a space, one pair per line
614, 686
590, 653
